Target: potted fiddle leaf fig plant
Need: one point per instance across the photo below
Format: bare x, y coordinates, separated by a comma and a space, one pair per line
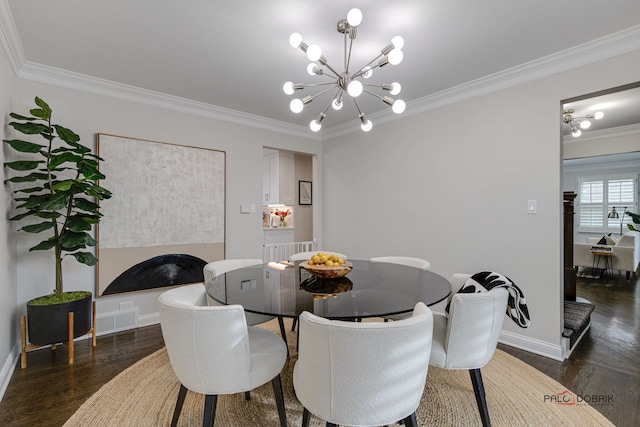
636, 220
56, 194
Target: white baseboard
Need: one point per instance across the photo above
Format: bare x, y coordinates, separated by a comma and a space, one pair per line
149, 319
532, 345
7, 369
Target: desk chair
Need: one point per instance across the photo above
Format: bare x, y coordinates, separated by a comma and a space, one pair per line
212, 350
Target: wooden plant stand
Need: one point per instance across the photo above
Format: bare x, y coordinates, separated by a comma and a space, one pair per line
29, 347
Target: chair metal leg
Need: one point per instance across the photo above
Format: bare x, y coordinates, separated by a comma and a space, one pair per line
331, 424
176, 412
247, 395
283, 333
210, 401
295, 322
277, 390
306, 416
411, 421
481, 398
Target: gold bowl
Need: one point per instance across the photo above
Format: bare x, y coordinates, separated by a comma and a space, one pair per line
327, 272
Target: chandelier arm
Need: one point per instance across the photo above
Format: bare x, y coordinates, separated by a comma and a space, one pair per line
320, 93
362, 70
346, 68
372, 93
326, 64
357, 106
320, 84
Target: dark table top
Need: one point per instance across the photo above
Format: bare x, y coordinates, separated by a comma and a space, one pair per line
369, 290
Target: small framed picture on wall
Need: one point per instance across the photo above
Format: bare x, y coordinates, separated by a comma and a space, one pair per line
304, 192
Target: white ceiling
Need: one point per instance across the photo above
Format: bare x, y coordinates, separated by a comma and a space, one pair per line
236, 55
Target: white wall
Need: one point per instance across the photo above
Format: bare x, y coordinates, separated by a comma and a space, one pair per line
88, 114
451, 185
8, 286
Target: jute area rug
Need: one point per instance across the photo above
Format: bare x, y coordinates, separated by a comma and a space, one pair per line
145, 395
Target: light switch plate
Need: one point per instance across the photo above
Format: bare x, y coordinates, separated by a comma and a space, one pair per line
532, 206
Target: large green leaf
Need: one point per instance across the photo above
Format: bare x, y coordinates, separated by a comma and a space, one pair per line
85, 205
24, 146
634, 217
30, 190
90, 170
78, 223
32, 177
63, 185
40, 103
45, 245
67, 135
22, 215
58, 201
30, 128
19, 117
40, 113
37, 228
23, 165
48, 215
85, 258
56, 160
72, 241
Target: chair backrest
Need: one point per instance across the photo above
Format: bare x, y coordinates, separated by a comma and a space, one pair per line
303, 256
473, 328
208, 346
404, 260
216, 268
363, 373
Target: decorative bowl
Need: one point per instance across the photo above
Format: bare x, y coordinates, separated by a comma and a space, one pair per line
327, 272
323, 288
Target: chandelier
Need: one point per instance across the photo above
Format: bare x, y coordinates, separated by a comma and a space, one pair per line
346, 82
578, 123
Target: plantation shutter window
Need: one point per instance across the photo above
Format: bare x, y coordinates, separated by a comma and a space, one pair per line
603, 201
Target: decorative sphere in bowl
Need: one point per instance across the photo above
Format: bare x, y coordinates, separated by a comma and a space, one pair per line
327, 272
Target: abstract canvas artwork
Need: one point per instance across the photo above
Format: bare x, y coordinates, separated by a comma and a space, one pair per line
166, 218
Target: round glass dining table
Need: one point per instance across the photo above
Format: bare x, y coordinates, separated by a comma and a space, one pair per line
371, 289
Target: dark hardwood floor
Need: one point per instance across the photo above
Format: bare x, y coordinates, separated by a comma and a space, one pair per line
605, 363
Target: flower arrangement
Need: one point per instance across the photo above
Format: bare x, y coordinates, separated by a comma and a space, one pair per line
282, 215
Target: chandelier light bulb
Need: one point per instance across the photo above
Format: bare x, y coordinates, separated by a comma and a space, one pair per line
311, 69
368, 72
576, 132
295, 40
366, 125
354, 88
354, 17
398, 42
315, 125
288, 88
395, 56
598, 115
398, 106
586, 124
395, 88
296, 105
336, 104
314, 52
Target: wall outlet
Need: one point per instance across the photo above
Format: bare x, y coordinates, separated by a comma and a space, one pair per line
128, 305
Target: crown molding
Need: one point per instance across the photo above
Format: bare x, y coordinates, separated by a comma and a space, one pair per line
10, 39
603, 48
81, 82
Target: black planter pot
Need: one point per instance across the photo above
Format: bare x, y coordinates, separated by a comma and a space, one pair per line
48, 324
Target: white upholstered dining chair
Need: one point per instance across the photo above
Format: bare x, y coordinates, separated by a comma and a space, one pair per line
467, 337
212, 350
404, 260
415, 262
218, 268
362, 373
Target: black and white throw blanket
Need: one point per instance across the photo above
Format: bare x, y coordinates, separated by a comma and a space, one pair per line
487, 280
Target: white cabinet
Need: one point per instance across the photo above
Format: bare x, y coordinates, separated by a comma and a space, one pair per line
277, 179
